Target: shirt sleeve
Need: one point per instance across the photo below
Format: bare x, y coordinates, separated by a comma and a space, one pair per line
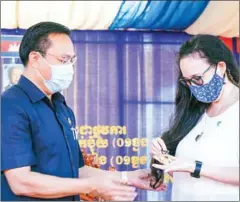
16, 142
81, 160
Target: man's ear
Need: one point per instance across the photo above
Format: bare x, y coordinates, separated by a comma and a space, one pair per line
33, 59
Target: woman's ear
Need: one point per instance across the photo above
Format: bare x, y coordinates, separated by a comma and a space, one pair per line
221, 68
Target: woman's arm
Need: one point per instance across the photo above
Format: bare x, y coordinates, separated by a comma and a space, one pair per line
228, 175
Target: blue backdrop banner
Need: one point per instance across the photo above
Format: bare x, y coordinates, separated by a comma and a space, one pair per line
164, 15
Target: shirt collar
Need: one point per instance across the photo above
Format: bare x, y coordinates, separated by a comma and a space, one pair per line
59, 97
34, 93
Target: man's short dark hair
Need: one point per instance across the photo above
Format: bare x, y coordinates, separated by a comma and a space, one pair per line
36, 38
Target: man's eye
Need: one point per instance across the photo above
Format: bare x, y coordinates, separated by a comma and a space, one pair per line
64, 61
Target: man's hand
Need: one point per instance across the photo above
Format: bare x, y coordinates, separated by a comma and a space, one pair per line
141, 179
112, 188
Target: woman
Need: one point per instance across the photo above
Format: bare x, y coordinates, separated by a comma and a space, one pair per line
204, 134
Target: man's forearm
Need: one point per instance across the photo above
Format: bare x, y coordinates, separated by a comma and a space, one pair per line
37, 185
87, 171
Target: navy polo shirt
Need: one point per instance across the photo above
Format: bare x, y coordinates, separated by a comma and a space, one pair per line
37, 133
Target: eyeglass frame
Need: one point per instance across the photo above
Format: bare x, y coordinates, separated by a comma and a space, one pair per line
184, 81
57, 57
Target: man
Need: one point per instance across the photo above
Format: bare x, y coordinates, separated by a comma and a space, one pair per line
41, 159
14, 74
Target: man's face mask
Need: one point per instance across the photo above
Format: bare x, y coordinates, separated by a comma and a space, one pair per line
61, 77
208, 92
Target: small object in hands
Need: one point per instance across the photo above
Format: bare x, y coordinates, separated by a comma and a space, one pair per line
157, 174
166, 159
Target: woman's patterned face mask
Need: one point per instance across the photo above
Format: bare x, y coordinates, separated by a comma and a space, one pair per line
209, 92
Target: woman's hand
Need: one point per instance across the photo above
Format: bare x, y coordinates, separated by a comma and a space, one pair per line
170, 163
174, 164
158, 147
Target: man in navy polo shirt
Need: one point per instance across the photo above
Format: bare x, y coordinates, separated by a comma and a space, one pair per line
40, 157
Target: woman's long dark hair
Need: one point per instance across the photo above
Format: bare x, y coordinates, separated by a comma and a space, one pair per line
188, 110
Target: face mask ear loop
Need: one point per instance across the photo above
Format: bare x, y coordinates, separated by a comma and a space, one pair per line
39, 74
45, 60
38, 69
224, 82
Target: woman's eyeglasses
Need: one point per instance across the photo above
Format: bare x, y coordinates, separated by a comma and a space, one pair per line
196, 80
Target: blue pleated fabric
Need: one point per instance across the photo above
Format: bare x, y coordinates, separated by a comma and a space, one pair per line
154, 15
